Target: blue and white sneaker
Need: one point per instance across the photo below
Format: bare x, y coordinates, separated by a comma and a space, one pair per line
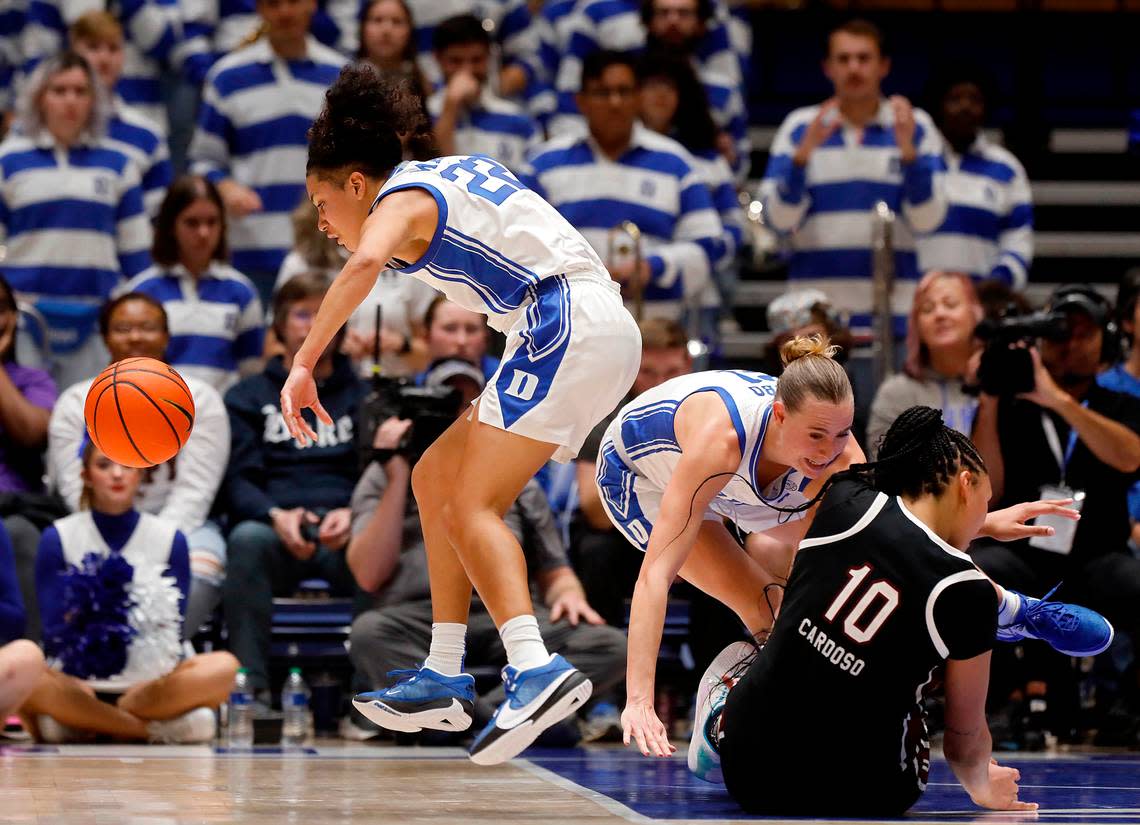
719, 678
1067, 628
537, 698
421, 699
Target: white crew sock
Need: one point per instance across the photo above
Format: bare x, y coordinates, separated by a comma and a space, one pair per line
1007, 610
523, 642
448, 646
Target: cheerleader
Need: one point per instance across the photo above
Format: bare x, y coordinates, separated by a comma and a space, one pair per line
112, 585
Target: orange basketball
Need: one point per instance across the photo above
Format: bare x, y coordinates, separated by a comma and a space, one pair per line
139, 412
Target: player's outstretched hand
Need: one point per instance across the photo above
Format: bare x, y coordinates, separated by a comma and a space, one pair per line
640, 722
1001, 792
1010, 524
300, 392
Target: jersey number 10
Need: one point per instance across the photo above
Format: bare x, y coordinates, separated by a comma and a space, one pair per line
854, 626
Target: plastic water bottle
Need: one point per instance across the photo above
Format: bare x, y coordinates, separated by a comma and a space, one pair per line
295, 706
240, 729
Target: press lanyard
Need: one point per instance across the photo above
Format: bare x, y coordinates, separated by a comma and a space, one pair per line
1054, 442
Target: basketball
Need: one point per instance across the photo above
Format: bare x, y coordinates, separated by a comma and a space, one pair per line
139, 412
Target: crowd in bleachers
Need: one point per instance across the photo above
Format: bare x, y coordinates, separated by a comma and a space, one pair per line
152, 203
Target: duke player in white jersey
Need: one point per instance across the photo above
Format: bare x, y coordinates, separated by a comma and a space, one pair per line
466, 226
681, 458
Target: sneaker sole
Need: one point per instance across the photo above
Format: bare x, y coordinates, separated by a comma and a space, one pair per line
724, 661
451, 718
570, 696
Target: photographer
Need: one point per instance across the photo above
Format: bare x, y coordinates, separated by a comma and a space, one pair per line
289, 503
387, 558
1065, 438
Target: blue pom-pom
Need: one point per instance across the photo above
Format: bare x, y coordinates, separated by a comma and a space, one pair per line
96, 632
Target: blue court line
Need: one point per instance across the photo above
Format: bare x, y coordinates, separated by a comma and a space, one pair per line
1069, 789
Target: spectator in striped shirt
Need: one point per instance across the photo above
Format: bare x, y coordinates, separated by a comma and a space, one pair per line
621, 25
988, 231
214, 28
673, 103
153, 29
622, 171
13, 14
71, 210
216, 321
682, 27
514, 33
251, 140
469, 119
98, 36
831, 163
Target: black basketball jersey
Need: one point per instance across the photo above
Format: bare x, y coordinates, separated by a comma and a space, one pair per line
876, 602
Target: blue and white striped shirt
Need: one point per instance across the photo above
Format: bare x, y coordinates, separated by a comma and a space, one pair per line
255, 113
151, 28
717, 174
617, 25
137, 137
514, 32
494, 127
214, 28
216, 331
826, 206
74, 225
13, 14
655, 184
988, 231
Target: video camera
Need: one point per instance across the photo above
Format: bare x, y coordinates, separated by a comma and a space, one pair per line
1005, 368
430, 409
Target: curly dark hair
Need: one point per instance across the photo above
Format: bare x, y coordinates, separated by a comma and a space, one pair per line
693, 126
361, 124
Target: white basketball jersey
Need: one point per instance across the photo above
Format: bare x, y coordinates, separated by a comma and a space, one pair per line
495, 239
643, 435
148, 546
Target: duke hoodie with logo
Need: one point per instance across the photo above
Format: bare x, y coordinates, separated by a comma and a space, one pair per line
267, 468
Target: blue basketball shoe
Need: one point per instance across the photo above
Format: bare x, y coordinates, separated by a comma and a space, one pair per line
712, 692
1067, 628
421, 699
537, 698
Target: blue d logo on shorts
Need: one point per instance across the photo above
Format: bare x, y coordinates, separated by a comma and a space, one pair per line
523, 385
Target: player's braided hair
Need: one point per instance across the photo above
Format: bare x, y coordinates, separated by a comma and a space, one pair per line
360, 126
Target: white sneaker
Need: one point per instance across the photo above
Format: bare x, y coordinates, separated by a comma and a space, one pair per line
57, 733
720, 677
195, 726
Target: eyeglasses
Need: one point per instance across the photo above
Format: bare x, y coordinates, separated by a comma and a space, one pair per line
606, 92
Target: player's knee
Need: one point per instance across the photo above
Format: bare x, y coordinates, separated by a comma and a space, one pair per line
22, 660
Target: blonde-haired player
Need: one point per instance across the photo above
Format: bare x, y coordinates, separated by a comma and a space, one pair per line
685, 456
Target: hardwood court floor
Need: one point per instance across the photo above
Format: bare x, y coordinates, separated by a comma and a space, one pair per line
343, 783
